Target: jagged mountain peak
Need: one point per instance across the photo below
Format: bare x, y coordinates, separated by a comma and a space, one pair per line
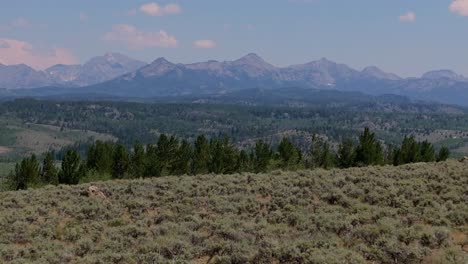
254, 60
161, 61
158, 67
251, 56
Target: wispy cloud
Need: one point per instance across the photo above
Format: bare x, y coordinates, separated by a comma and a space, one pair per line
204, 44
408, 17
459, 7
137, 39
154, 9
14, 51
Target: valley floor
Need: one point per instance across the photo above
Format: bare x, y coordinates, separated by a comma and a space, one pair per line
410, 214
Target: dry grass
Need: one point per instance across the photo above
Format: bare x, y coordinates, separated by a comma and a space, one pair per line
24, 138
409, 214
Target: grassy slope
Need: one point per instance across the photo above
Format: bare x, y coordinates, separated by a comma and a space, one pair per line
407, 214
18, 138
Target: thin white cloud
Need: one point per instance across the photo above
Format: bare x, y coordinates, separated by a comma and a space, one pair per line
14, 51
137, 39
204, 44
459, 7
154, 9
84, 17
408, 17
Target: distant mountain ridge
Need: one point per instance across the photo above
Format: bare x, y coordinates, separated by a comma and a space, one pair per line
96, 70
117, 75
162, 77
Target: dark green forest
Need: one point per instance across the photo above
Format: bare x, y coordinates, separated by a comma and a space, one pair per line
146, 121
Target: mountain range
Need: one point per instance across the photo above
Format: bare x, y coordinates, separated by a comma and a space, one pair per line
118, 75
96, 70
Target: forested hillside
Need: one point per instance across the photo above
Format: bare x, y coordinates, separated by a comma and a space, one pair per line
144, 122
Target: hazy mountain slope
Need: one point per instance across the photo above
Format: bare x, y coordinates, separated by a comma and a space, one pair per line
22, 76
107, 67
64, 73
96, 70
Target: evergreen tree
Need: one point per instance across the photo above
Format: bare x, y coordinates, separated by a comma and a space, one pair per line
26, 173
243, 162
121, 162
379, 157
427, 153
100, 156
49, 174
409, 150
369, 150
262, 155
216, 164
138, 161
397, 157
224, 156
152, 168
201, 156
183, 160
320, 155
315, 153
443, 155
326, 157
19, 181
166, 151
72, 169
173, 148
289, 155
230, 156
390, 155
346, 154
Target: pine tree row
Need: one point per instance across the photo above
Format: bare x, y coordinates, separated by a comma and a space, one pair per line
171, 156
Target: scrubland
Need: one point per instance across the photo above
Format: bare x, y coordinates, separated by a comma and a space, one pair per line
414, 213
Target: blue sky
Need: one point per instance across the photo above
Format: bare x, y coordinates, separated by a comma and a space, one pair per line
407, 37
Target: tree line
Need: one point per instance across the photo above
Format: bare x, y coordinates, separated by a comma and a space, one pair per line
171, 156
